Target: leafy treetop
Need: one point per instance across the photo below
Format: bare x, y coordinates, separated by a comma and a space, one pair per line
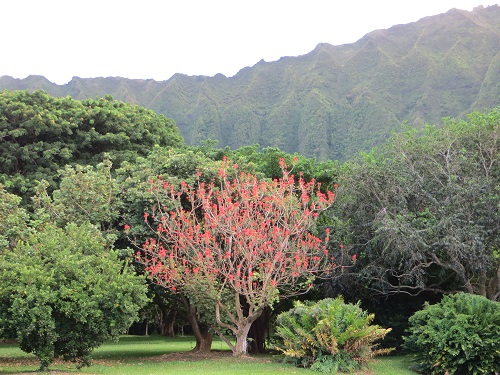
39, 134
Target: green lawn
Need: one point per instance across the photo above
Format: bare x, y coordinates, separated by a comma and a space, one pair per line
160, 355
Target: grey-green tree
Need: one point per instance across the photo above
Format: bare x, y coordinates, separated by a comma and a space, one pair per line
423, 211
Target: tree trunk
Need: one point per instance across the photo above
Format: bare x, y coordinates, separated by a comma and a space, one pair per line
258, 332
494, 286
241, 347
203, 340
161, 321
171, 330
482, 284
241, 325
200, 331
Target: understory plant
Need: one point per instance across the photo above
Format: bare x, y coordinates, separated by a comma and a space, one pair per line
329, 335
459, 335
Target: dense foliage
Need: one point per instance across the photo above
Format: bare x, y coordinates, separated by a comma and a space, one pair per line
40, 134
62, 293
13, 220
458, 336
85, 194
329, 335
423, 212
419, 215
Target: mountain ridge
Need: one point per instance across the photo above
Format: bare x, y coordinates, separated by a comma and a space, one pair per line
333, 101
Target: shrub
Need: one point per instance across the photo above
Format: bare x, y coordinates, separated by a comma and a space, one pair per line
459, 335
329, 335
62, 293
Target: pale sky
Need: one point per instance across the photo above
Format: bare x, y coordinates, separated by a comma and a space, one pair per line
155, 39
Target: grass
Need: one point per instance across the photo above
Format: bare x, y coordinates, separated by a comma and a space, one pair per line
139, 355
392, 365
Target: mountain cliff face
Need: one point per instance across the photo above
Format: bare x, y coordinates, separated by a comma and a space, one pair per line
333, 101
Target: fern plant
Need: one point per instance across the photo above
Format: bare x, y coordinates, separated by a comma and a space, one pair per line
329, 335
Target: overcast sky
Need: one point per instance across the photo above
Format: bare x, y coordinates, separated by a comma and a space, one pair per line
60, 39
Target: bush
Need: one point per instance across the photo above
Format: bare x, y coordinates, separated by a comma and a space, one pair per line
62, 293
329, 335
459, 335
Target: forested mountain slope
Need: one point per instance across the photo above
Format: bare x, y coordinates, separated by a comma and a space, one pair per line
333, 101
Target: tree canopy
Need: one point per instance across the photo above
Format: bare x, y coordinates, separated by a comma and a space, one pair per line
423, 212
13, 220
420, 213
40, 134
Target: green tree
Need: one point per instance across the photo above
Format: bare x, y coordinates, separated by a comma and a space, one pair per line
174, 165
85, 194
422, 212
265, 164
63, 293
39, 134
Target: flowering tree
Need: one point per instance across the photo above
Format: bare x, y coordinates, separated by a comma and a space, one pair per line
247, 239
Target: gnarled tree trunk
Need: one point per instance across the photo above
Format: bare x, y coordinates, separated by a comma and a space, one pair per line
241, 325
201, 331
